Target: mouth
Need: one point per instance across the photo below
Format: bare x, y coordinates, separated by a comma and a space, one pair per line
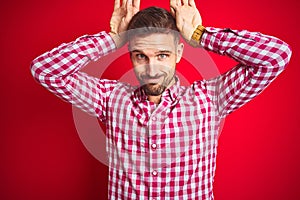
152, 80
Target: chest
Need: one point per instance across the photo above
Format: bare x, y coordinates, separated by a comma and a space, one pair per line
135, 126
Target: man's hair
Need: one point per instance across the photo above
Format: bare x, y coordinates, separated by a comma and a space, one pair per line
152, 20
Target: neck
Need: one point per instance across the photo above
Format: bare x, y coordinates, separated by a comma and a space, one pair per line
154, 99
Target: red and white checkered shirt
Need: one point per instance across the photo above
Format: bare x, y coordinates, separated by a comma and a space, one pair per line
166, 151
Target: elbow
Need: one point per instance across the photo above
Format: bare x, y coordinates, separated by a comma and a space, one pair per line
34, 69
288, 54
47, 72
37, 69
282, 55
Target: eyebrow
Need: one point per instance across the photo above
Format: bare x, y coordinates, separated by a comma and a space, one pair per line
157, 52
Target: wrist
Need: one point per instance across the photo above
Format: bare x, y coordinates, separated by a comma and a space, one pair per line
118, 40
197, 35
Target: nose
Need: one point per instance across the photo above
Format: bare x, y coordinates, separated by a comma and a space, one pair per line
152, 68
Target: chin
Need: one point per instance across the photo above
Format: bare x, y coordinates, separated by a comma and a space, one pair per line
154, 89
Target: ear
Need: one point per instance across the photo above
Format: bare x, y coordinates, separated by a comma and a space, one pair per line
179, 52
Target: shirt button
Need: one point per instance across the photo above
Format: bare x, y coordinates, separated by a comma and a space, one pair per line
154, 146
154, 173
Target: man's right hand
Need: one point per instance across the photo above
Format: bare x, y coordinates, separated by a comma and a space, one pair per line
121, 17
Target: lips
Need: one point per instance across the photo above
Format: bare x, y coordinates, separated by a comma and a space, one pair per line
152, 80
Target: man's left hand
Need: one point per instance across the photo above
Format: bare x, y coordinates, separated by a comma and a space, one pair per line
187, 17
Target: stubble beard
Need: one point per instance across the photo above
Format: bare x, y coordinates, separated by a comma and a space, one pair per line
156, 89
153, 89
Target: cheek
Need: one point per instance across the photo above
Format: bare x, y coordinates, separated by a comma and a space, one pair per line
138, 69
169, 67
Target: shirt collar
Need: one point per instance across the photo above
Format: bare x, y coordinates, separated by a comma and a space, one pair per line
170, 93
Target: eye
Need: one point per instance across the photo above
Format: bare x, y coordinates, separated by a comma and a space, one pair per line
140, 56
163, 56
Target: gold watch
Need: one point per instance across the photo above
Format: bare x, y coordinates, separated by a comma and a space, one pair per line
196, 37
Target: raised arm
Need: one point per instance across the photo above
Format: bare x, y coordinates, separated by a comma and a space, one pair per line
59, 69
261, 58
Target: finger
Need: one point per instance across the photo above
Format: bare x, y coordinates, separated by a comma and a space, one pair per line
173, 3
192, 3
184, 2
178, 2
129, 9
129, 5
136, 3
124, 3
117, 4
172, 11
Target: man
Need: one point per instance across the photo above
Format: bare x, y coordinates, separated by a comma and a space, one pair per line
161, 136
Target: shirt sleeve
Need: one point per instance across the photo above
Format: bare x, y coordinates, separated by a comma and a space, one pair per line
261, 59
58, 71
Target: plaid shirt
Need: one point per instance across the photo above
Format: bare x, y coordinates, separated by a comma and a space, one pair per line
165, 151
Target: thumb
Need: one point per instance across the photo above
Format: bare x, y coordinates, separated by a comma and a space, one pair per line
173, 11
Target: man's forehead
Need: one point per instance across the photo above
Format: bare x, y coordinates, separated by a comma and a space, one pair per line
158, 41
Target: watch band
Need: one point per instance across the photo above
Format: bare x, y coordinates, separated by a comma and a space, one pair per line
196, 37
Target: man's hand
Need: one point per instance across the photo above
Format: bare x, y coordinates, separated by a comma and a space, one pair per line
121, 17
187, 17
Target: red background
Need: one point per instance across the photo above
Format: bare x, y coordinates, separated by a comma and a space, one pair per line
41, 154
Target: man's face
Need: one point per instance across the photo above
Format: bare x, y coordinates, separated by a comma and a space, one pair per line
154, 59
